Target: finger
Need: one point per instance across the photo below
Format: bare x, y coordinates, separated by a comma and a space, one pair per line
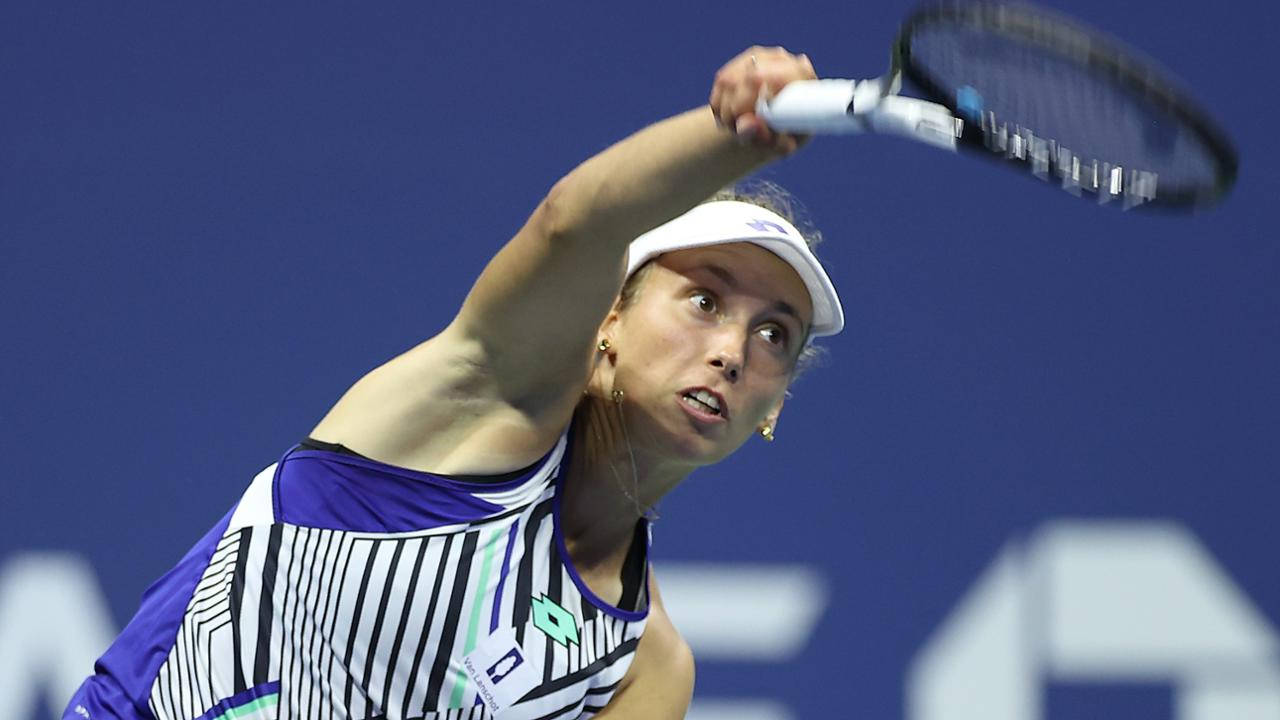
755, 51
724, 104
765, 136
743, 99
728, 110
727, 117
751, 129
766, 76
754, 73
808, 66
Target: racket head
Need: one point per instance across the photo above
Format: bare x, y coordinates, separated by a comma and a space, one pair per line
1067, 103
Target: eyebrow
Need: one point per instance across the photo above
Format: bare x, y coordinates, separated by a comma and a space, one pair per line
725, 276
784, 307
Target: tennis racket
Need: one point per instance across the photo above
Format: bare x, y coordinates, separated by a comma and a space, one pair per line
1036, 90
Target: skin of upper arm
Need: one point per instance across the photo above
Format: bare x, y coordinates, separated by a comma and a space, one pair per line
659, 683
535, 308
500, 382
435, 408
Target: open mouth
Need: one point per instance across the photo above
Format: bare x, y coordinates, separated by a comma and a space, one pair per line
702, 401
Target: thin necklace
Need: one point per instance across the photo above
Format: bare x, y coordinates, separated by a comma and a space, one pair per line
649, 514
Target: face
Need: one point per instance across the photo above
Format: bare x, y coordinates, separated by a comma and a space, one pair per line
706, 348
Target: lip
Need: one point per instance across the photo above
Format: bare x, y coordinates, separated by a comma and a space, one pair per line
701, 415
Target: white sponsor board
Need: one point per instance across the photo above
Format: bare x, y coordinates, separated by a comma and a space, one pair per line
1099, 601
54, 623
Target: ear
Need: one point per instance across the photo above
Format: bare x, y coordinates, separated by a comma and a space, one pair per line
608, 330
771, 418
604, 356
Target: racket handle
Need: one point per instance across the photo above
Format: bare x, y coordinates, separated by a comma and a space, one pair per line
823, 107
834, 107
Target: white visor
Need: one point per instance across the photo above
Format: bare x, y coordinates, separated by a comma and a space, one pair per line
730, 221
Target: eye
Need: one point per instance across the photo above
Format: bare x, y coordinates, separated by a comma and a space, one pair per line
773, 334
703, 301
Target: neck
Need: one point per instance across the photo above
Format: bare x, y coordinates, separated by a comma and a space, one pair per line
612, 482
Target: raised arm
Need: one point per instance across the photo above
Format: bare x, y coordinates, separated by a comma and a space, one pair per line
512, 364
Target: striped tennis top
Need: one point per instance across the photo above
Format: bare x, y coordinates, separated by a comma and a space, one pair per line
341, 587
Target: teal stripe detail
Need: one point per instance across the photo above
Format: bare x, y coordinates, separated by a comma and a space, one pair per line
482, 590
254, 706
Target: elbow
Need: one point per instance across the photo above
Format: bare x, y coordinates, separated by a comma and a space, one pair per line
565, 213
554, 217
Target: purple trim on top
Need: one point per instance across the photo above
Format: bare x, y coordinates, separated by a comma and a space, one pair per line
244, 697
102, 698
128, 669
319, 488
606, 608
502, 579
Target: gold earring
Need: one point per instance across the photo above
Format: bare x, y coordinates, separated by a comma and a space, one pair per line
766, 432
617, 396
604, 345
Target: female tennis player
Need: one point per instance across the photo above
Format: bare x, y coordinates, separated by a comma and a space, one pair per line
465, 533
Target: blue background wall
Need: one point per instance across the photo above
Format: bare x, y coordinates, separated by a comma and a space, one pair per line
214, 217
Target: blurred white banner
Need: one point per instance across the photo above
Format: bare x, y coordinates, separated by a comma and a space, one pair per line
1106, 602
54, 623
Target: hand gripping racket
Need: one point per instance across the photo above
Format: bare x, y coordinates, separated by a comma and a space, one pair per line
1036, 90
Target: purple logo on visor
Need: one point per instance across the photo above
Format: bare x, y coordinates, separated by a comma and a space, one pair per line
763, 225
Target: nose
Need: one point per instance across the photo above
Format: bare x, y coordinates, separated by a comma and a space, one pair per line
726, 357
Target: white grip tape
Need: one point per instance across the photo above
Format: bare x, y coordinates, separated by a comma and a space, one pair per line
917, 119
833, 107
811, 106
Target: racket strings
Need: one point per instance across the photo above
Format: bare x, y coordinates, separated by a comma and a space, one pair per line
1057, 98
1053, 96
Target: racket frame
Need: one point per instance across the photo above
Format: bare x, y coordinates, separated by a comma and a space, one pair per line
1103, 56
833, 106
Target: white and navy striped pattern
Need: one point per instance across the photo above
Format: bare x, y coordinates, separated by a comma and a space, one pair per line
350, 624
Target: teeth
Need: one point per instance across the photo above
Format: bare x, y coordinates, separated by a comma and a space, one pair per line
708, 398
703, 400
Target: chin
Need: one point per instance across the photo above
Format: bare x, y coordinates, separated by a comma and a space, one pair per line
700, 450
675, 438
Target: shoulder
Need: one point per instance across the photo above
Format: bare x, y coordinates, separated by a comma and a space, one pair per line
664, 651
667, 643
442, 407
659, 683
